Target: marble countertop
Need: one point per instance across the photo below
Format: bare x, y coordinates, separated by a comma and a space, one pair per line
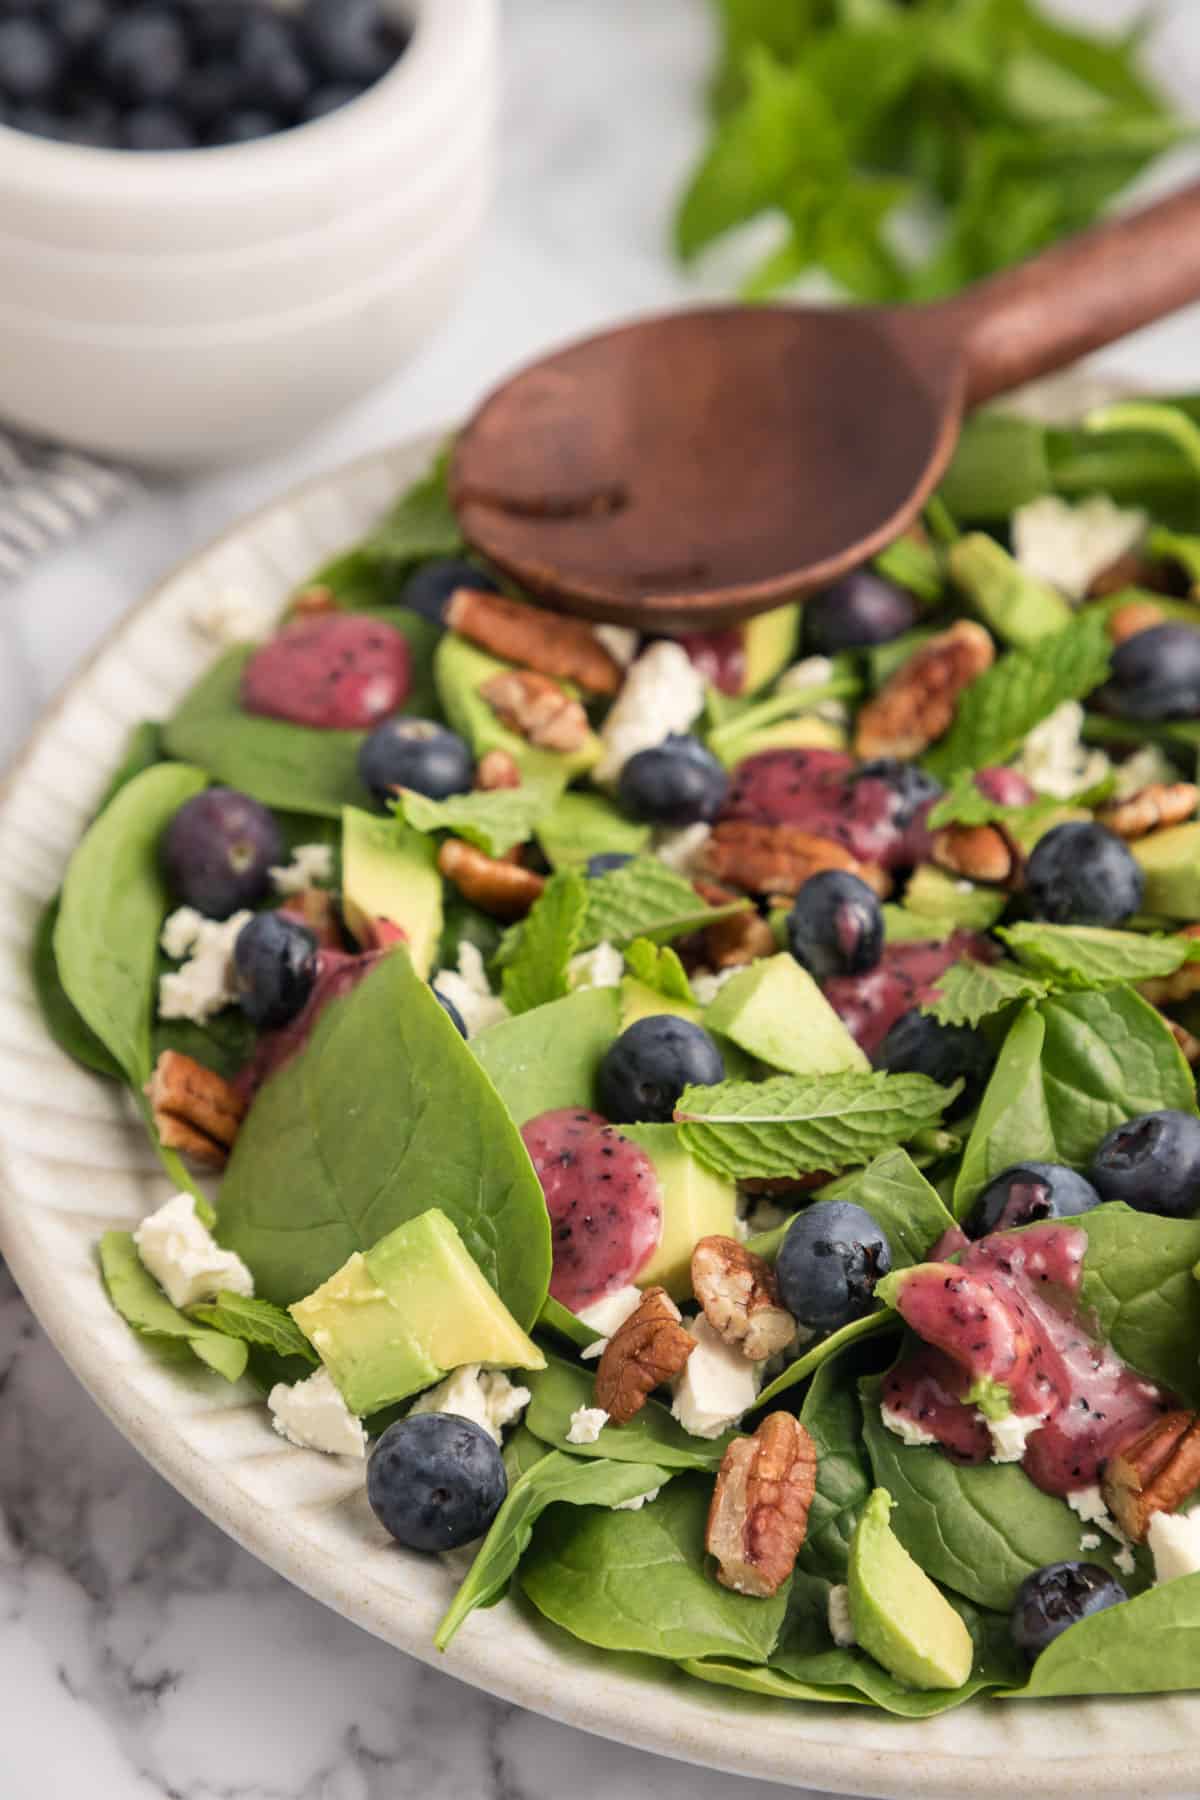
143, 1656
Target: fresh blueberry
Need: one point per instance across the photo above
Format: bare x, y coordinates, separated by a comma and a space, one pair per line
910, 787
275, 961
208, 91
214, 26
156, 128
862, 608
1058, 1596
918, 1045
1027, 1193
448, 1007
328, 99
828, 1264
143, 55
415, 753
436, 1481
30, 59
605, 861
835, 926
244, 125
273, 73
1152, 1163
349, 40
1082, 874
218, 851
428, 589
644, 1072
1156, 675
677, 783
77, 23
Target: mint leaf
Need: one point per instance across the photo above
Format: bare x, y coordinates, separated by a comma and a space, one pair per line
142, 1304
971, 991
494, 822
256, 1322
965, 804
660, 969
537, 973
1088, 956
646, 899
791, 1125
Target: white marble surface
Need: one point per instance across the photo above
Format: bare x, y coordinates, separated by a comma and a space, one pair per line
142, 1655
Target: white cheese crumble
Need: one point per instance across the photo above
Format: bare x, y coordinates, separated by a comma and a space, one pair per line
1123, 1559
620, 642
313, 1416
637, 1502
706, 985
311, 866
1053, 759
1011, 1434
1141, 770
764, 1215
908, 1430
184, 1257
814, 672
610, 1312
233, 615
470, 991
1068, 546
204, 985
841, 1625
715, 1386
1091, 1540
1174, 1540
662, 693
1088, 1503
587, 1422
681, 850
485, 1396
593, 1352
602, 967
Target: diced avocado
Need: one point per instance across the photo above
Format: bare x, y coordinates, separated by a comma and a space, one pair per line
641, 1002
395, 1319
583, 825
695, 1204
1170, 861
900, 1616
390, 872
1026, 833
1014, 604
776, 1012
958, 904
805, 733
460, 670
768, 645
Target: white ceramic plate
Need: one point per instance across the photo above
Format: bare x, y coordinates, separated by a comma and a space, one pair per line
73, 1162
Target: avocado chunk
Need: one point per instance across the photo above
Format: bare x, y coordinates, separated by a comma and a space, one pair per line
900, 1616
582, 825
1170, 861
805, 733
950, 904
695, 1204
776, 1012
390, 873
395, 1319
460, 670
1017, 606
638, 1001
768, 645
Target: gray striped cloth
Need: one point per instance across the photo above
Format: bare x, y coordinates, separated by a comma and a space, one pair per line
48, 495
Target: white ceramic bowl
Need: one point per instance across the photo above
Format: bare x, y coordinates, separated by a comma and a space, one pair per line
180, 308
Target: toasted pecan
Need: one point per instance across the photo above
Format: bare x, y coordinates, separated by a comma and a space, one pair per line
495, 885
779, 859
741, 938
195, 1110
1152, 808
1135, 616
650, 1348
537, 708
310, 602
318, 909
1132, 569
916, 705
553, 644
759, 1514
977, 852
497, 769
740, 1297
1187, 1043
1154, 1473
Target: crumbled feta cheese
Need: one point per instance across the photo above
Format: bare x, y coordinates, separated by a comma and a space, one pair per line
470, 991
485, 1396
471, 969
1091, 1540
663, 692
764, 1215
681, 850
602, 967
841, 1626
1123, 1559
1088, 1503
204, 985
906, 1429
593, 1352
620, 642
610, 1312
1053, 759
716, 1385
814, 672
1010, 1435
311, 866
1174, 1540
313, 1416
637, 1503
233, 615
706, 985
1068, 546
1141, 770
587, 1422
185, 1258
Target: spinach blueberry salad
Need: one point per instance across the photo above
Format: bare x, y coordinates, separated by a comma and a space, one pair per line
709, 1124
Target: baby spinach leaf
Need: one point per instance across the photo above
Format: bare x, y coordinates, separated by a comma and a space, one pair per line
1107, 1057
1087, 956
559, 1319
1137, 1281
550, 1057
63, 1021
144, 749
353, 1137
552, 1480
256, 1322
495, 822
422, 523
659, 969
521, 1451
224, 1043
820, 1353
1150, 1645
580, 825
833, 1419
651, 1436
538, 972
638, 1581
1013, 1122
143, 1305
971, 991
645, 899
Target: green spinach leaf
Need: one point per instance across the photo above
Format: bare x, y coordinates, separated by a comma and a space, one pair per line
971, 991
1107, 1057
1013, 1121
1137, 1281
62, 1020
580, 825
833, 1418
549, 1058
143, 1305
1087, 956
1151, 1645
651, 1436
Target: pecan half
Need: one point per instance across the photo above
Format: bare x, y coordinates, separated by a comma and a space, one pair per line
650, 1348
549, 642
318, 909
778, 859
759, 1514
1136, 615
496, 886
917, 704
497, 769
1151, 809
1187, 1043
310, 602
740, 1297
1154, 1473
977, 852
1133, 569
195, 1110
741, 938
1170, 990
536, 708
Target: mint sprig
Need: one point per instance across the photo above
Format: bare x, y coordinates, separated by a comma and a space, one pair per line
965, 804
659, 968
1089, 956
971, 991
646, 899
255, 1322
538, 970
494, 822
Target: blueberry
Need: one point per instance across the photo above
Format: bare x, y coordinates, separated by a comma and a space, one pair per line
143, 56
436, 1481
644, 1072
30, 59
331, 98
862, 608
1027, 1193
77, 23
835, 926
273, 73
918, 1045
448, 1007
244, 125
911, 787
428, 589
415, 753
275, 964
1081, 874
605, 861
349, 40
218, 851
207, 92
156, 128
1058, 1596
828, 1264
677, 783
214, 26
1156, 675
1152, 1163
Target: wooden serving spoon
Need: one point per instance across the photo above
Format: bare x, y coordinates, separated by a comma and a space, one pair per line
690, 470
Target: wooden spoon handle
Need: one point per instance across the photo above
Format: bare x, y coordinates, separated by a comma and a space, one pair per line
1079, 295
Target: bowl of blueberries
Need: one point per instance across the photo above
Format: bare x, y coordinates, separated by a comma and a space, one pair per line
222, 221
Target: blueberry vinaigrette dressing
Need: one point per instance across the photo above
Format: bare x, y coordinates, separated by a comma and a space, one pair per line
821, 791
338, 971
720, 657
1008, 1312
905, 976
604, 1201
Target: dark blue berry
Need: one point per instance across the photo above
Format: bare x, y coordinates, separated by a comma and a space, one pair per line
349, 40
918, 1045
77, 23
214, 26
829, 1263
679, 782
156, 128
436, 1481
31, 60
244, 125
1058, 1596
1082, 874
218, 852
1152, 1163
271, 70
835, 926
275, 961
428, 589
415, 753
331, 98
1027, 1193
207, 92
862, 608
1156, 675
910, 787
143, 56
645, 1071
605, 861
448, 1007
